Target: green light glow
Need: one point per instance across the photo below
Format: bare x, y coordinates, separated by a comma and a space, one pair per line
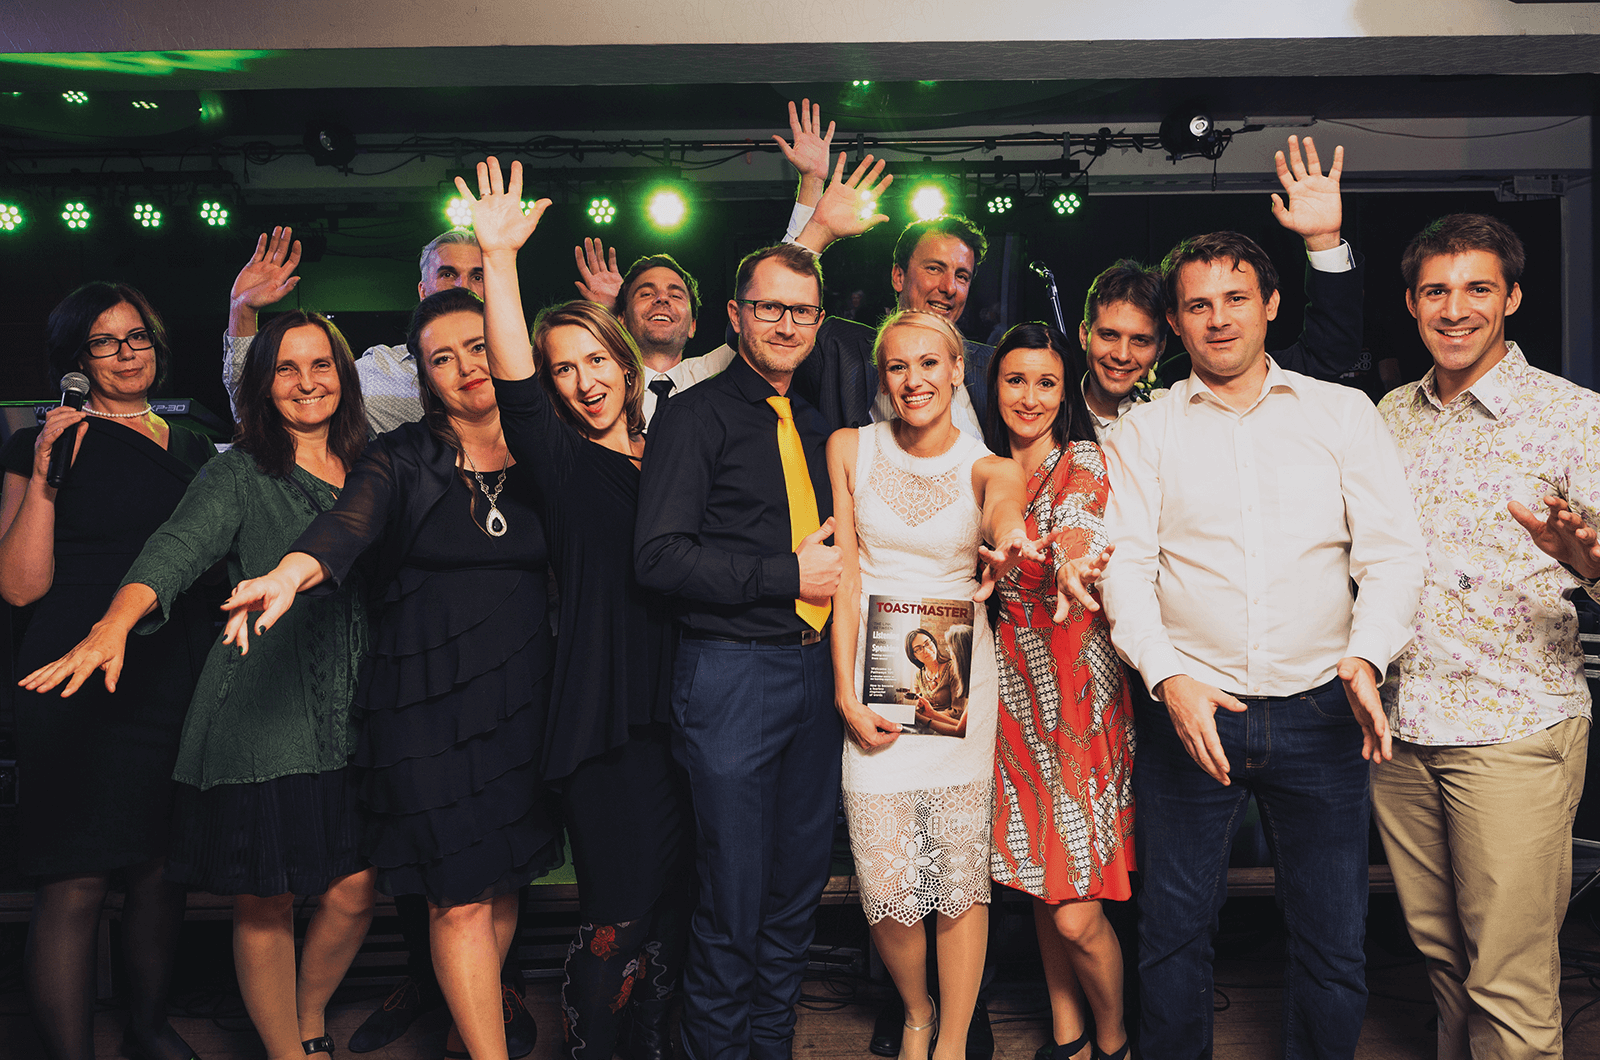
146, 215
10, 217
927, 202
76, 214
214, 214
667, 208
148, 64
999, 204
601, 212
74, 96
1066, 203
145, 104
458, 213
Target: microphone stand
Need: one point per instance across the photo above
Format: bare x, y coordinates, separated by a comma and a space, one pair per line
1055, 296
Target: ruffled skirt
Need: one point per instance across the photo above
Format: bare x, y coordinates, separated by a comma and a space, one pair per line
453, 704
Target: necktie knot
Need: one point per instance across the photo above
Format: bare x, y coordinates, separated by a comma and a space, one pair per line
661, 388
781, 406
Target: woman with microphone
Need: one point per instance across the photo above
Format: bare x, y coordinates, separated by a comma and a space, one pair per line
96, 770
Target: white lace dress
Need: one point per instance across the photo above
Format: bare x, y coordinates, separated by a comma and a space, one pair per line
920, 808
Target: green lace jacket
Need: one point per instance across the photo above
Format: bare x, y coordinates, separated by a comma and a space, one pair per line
286, 706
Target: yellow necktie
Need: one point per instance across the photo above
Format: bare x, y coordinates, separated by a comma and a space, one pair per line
802, 499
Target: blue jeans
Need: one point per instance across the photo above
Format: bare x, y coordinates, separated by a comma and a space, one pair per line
1301, 757
757, 731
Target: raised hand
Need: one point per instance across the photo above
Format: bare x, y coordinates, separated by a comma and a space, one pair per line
602, 281
1315, 211
497, 217
1360, 681
269, 274
850, 207
811, 148
1075, 579
1563, 535
1192, 705
1007, 553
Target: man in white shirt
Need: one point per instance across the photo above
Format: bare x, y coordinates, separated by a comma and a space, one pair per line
1488, 701
388, 373
658, 303
1243, 505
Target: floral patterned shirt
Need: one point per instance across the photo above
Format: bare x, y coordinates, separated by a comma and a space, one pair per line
1495, 656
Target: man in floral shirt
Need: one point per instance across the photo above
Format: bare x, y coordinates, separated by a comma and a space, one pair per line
1488, 703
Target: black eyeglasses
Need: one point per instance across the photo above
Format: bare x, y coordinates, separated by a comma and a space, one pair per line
107, 346
771, 312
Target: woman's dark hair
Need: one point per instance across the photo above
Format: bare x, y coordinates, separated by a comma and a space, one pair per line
431, 308
608, 332
260, 425
959, 638
1073, 422
73, 318
939, 649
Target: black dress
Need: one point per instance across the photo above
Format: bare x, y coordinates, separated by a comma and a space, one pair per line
95, 770
453, 698
606, 746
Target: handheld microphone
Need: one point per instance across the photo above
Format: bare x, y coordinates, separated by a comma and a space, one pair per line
74, 392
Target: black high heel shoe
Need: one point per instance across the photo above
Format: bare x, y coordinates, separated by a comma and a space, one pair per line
1120, 1054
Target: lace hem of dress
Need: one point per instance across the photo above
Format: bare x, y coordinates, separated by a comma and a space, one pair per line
919, 852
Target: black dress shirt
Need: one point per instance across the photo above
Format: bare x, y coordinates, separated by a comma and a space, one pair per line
713, 530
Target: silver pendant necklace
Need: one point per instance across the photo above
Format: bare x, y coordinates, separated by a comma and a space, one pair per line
494, 524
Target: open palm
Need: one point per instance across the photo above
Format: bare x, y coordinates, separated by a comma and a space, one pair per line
497, 217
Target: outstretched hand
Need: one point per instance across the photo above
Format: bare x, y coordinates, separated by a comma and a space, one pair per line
850, 205
1563, 535
811, 148
600, 281
1314, 211
1006, 554
103, 649
268, 596
1075, 580
497, 217
269, 274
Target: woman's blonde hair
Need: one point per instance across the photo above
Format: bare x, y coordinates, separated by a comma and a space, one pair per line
955, 346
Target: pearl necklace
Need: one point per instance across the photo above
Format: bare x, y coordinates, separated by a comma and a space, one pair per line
148, 408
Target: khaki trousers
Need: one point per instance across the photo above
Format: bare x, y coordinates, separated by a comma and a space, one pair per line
1480, 841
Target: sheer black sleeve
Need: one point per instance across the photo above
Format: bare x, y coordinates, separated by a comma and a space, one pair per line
367, 508
538, 438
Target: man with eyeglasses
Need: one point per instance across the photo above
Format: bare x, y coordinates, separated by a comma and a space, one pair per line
734, 513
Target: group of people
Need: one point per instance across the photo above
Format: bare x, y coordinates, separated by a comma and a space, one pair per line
498, 587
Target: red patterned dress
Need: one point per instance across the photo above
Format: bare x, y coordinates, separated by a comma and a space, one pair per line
1063, 812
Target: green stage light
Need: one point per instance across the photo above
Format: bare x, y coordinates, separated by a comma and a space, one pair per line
145, 215
458, 212
999, 204
869, 208
601, 212
213, 214
74, 96
1066, 203
145, 104
860, 84
10, 217
76, 214
927, 202
527, 206
667, 208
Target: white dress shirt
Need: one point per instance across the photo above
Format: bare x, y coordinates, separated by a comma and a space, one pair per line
685, 374
1238, 535
388, 377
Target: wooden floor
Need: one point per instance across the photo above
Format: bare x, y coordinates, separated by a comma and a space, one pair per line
1247, 1026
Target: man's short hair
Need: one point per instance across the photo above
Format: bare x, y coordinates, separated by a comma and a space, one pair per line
458, 236
1460, 233
665, 261
1217, 246
1133, 282
949, 224
791, 256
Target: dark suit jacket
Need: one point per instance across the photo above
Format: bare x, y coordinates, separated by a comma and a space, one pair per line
840, 379
1330, 337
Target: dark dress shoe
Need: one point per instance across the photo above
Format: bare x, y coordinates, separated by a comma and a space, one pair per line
980, 1036
390, 1019
521, 1032
649, 1033
887, 1028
